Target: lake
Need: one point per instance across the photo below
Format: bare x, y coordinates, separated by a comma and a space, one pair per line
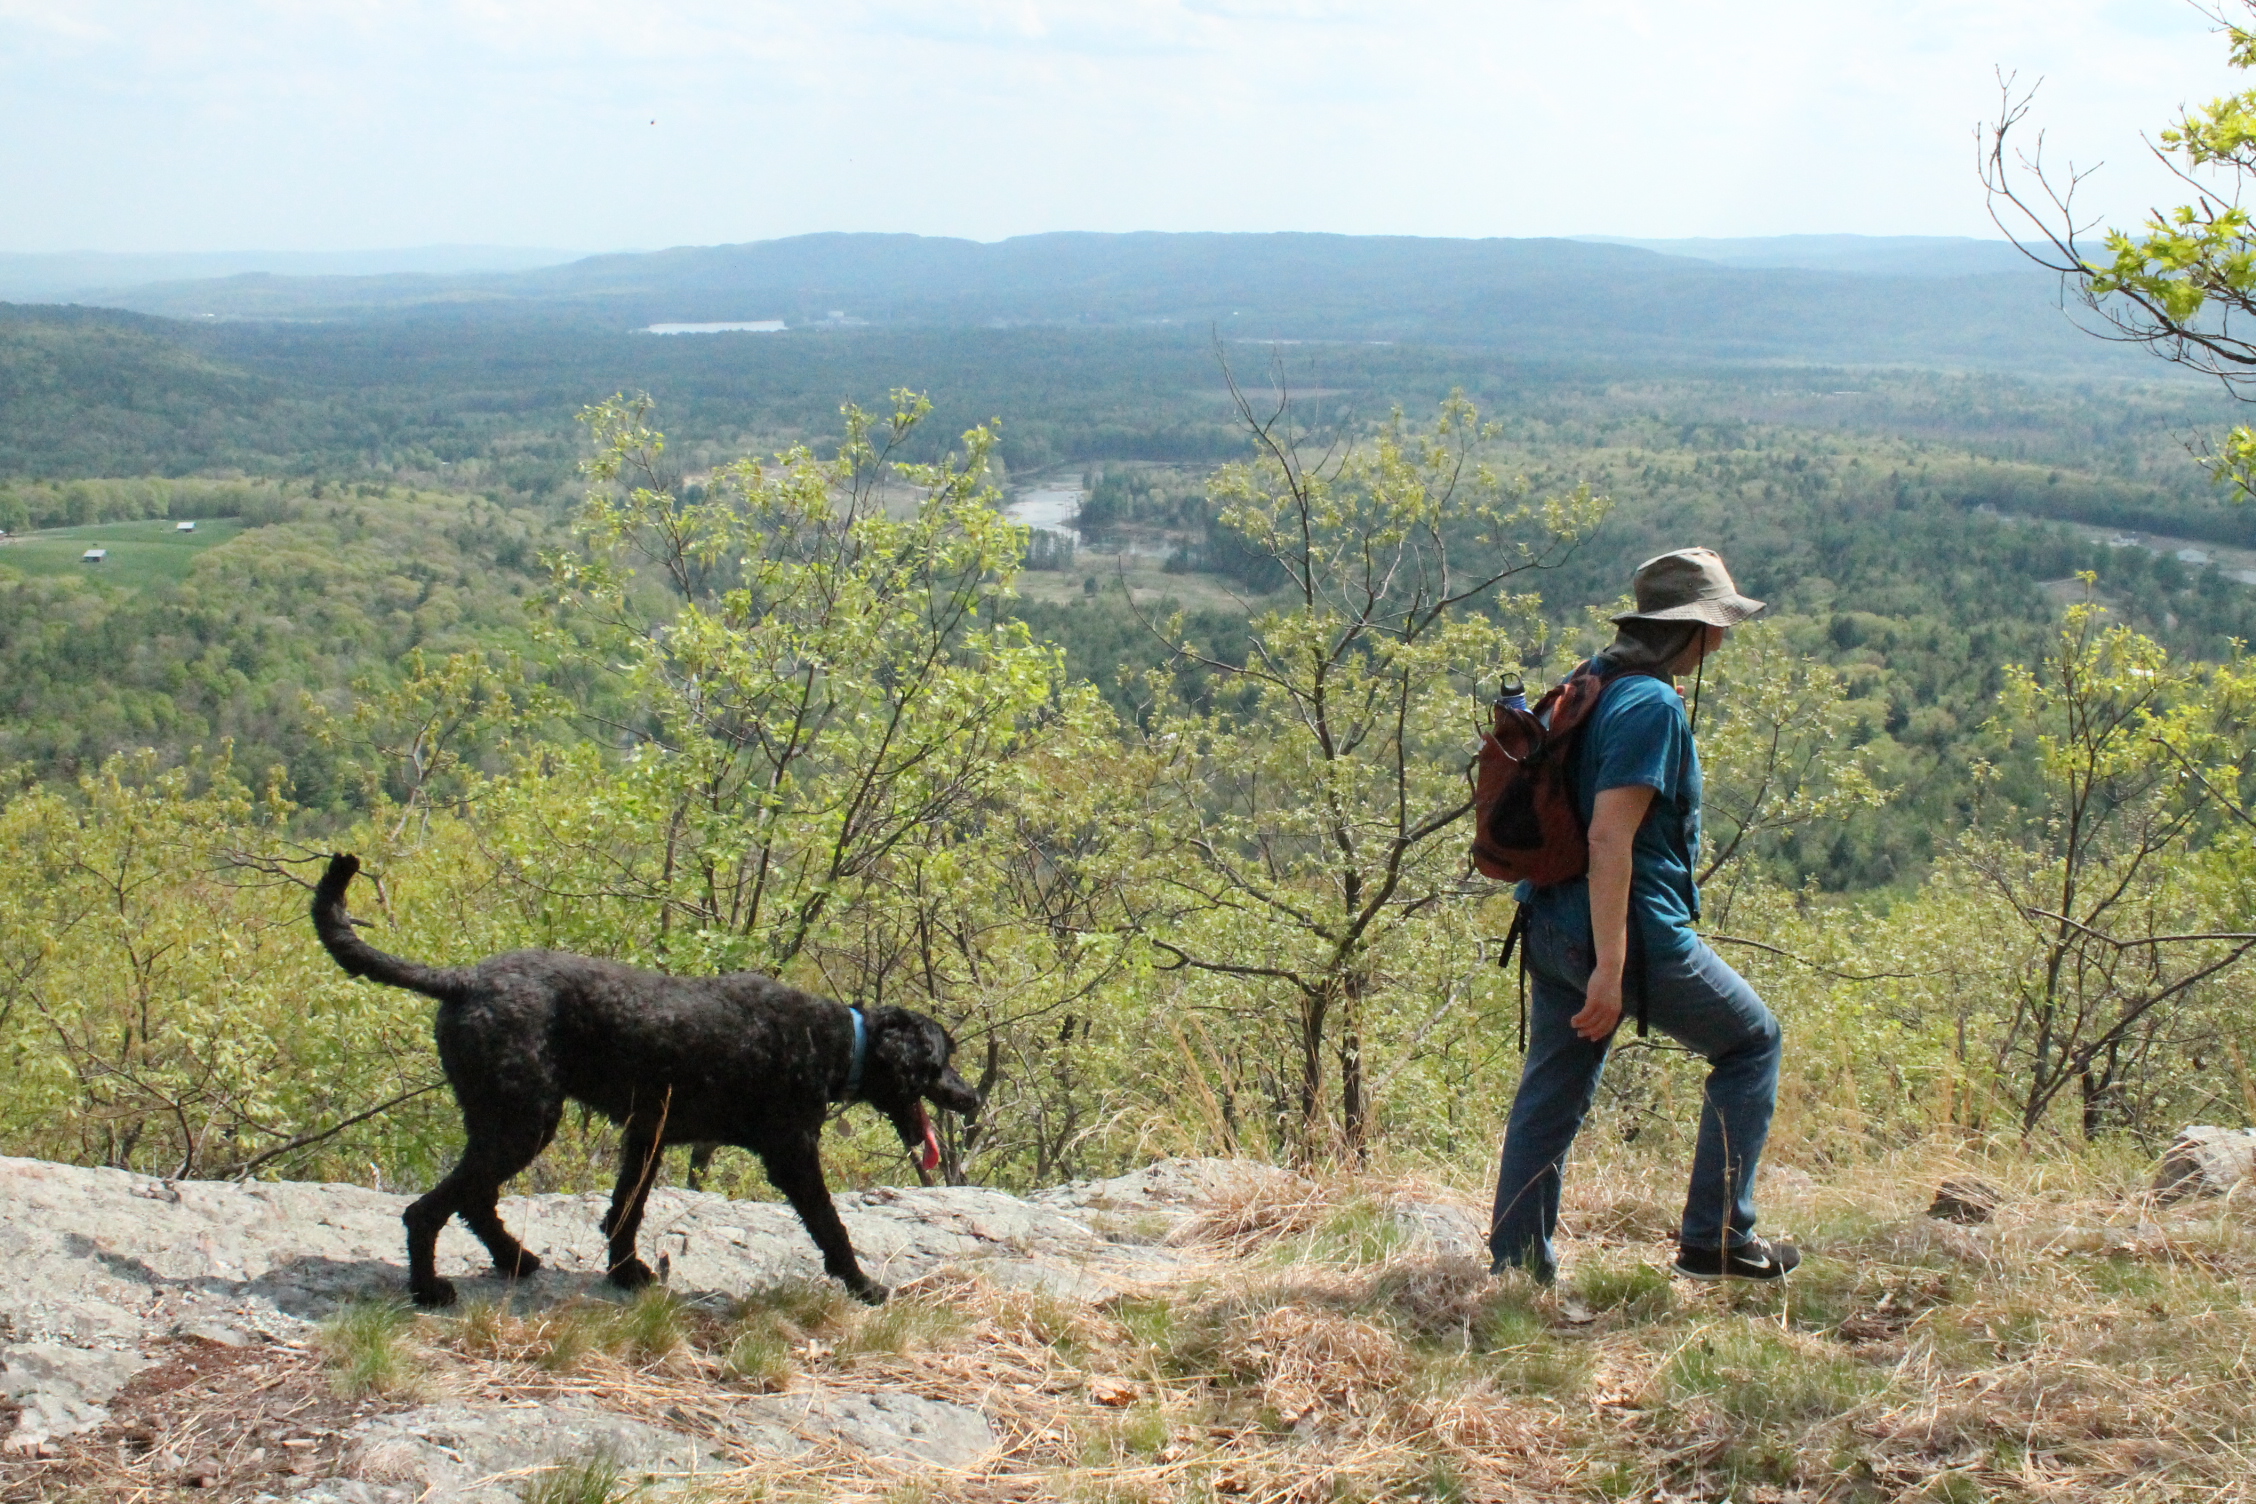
742, 326
1052, 508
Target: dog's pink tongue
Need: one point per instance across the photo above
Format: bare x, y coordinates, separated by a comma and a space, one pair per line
930, 1159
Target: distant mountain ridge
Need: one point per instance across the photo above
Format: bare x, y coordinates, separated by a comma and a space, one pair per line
1856, 255
86, 276
1540, 297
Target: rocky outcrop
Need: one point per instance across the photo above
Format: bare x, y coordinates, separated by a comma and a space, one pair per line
483, 1453
104, 1267
2206, 1162
58, 1390
113, 1275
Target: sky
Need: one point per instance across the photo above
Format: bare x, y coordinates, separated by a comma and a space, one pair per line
586, 125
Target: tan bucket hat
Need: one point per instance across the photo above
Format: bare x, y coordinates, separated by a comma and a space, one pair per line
1689, 584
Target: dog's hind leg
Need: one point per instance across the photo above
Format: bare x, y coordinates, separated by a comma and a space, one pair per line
424, 1217
795, 1168
639, 1149
497, 1150
516, 1146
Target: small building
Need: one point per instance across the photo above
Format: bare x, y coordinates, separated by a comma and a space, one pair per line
184, 527
94, 556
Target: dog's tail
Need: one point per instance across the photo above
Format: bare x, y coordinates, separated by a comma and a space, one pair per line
357, 955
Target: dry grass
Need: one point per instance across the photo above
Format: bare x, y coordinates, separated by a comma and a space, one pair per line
2085, 1345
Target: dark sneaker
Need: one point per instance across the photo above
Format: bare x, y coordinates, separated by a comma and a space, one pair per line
1757, 1258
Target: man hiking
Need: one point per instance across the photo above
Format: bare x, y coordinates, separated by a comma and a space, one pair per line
1625, 932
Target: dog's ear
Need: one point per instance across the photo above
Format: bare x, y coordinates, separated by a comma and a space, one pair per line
904, 1044
914, 1047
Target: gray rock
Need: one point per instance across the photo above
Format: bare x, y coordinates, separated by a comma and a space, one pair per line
1443, 1227
1173, 1188
60, 1390
103, 1263
355, 1491
103, 1258
902, 1427
2205, 1161
485, 1453
1150, 1207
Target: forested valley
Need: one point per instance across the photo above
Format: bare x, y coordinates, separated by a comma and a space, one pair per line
533, 669
1088, 656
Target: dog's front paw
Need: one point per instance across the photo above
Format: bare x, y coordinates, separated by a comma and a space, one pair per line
439, 1292
524, 1266
869, 1292
631, 1274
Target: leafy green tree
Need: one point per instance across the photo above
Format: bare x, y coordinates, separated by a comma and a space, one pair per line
160, 1009
2104, 941
822, 675
1307, 827
1776, 757
2184, 282
418, 742
845, 763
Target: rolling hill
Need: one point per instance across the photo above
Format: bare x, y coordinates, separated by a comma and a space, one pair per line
1543, 298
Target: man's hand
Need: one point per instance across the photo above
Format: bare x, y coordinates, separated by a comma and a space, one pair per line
1601, 1009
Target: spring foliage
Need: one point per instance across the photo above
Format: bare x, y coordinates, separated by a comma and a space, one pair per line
784, 720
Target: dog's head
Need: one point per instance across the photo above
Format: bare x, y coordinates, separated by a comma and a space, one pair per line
907, 1067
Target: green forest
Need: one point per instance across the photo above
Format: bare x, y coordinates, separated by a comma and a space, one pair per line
1087, 640
524, 664
705, 655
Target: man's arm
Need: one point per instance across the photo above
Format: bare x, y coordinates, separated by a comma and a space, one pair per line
1613, 828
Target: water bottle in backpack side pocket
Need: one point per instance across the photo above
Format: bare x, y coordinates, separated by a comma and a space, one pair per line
1511, 694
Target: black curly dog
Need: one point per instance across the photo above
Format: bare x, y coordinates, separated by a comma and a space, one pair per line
738, 1059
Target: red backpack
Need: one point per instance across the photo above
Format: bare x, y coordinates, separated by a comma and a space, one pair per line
1527, 825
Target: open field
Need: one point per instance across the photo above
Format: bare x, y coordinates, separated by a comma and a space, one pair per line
1147, 583
146, 552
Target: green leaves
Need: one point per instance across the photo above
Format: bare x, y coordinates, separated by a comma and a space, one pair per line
2184, 282
1775, 749
823, 681
1303, 848
161, 1008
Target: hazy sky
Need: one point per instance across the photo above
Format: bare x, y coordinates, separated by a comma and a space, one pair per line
143, 125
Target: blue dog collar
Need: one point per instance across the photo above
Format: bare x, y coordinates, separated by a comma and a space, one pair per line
861, 1054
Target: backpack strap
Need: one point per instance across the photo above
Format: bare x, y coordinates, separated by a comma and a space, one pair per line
1512, 942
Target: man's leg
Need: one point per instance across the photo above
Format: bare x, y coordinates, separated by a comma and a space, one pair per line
1557, 1085
1698, 1000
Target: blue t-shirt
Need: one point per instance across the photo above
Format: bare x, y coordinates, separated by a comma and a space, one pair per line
1639, 736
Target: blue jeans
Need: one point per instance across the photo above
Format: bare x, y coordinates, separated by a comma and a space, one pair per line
1697, 1000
